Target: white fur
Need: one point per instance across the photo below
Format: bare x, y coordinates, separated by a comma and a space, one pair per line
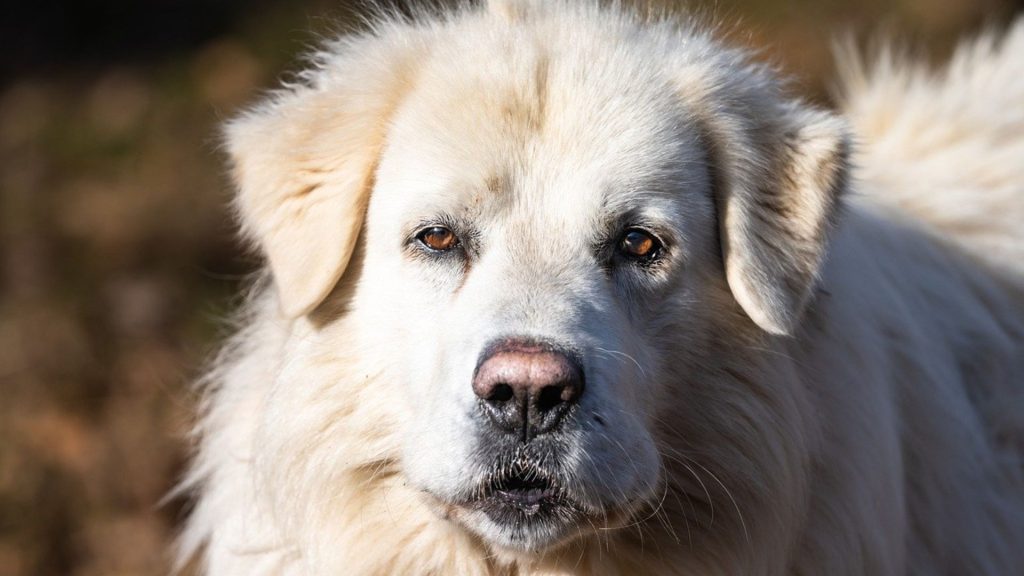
945, 146
802, 385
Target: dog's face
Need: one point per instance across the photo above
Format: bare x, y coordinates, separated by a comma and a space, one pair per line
528, 259
552, 233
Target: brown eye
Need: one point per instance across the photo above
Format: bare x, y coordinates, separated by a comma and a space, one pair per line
639, 245
438, 238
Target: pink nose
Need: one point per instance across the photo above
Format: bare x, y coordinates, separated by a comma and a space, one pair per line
528, 388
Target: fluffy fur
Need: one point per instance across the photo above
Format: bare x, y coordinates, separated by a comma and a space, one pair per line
823, 373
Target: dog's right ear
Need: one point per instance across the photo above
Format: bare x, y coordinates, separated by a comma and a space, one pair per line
303, 165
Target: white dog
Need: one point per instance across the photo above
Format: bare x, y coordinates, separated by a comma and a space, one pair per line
554, 289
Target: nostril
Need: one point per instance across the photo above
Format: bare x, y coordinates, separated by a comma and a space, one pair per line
501, 393
551, 397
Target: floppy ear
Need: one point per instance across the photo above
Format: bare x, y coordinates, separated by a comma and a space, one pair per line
303, 165
779, 189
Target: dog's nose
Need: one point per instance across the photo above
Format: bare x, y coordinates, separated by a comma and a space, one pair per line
528, 388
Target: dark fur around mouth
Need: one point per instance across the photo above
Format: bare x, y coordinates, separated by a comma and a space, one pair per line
524, 489
524, 494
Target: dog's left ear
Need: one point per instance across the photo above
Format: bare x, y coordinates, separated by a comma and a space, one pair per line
780, 178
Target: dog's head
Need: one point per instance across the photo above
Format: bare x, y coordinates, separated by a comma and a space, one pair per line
544, 237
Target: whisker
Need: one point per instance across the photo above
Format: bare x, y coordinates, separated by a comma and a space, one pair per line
625, 355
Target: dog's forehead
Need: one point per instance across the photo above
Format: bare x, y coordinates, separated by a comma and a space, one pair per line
517, 119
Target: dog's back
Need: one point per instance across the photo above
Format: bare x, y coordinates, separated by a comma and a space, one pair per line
925, 290
946, 147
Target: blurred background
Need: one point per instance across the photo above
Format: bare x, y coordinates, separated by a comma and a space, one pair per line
118, 266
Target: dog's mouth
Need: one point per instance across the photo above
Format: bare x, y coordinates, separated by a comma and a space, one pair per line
527, 491
525, 507
525, 494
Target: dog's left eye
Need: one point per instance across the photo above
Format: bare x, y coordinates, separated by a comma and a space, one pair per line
438, 238
639, 245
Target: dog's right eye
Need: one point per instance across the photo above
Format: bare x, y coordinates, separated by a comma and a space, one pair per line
438, 238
